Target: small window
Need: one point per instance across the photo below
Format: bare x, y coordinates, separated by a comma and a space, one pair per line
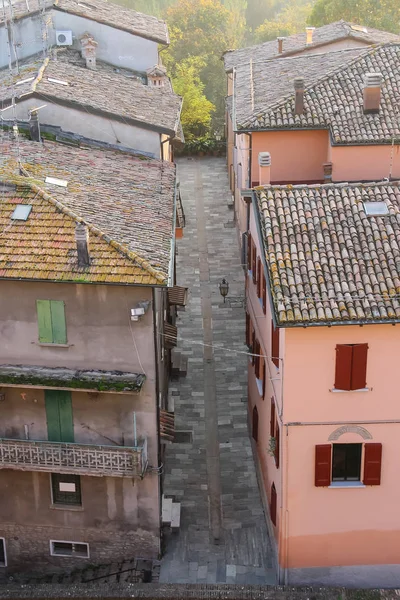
351, 366
66, 489
275, 345
61, 548
21, 212
51, 321
272, 506
346, 462
3, 555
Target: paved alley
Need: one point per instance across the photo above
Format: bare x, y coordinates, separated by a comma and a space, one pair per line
223, 537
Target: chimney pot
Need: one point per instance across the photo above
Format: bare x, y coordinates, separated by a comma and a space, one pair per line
34, 126
280, 44
372, 92
89, 45
264, 168
309, 33
299, 95
82, 245
327, 172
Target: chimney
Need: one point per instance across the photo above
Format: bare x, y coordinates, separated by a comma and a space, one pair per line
299, 95
82, 245
327, 172
34, 125
157, 76
280, 44
309, 33
264, 168
89, 45
372, 92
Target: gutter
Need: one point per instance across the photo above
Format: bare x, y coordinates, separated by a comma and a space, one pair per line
170, 281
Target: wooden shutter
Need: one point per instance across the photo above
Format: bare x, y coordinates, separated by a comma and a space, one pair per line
263, 374
277, 444
255, 424
273, 504
275, 345
344, 357
254, 264
253, 345
60, 424
58, 324
359, 367
259, 282
249, 251
264, 294
44, 321
66, 418
257, 359
272, 419
248, 330
323, 462
372, 464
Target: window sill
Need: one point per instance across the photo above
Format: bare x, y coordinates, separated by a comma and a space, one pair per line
336, 391
347, 484
66, 507
43, 345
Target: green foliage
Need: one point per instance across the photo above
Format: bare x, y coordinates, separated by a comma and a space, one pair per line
292, 19
382, 14
196, 109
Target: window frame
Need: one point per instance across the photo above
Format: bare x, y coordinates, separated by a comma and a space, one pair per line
346, 479
3, 542
66, 504
72, 554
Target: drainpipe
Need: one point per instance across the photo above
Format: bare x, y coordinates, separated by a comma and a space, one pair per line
171, 269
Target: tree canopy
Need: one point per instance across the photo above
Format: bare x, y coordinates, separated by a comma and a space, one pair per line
381, 14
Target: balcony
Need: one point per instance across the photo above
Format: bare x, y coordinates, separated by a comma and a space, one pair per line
75, 459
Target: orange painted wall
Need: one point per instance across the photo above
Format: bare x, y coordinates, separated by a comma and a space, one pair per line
359, 163
296, 156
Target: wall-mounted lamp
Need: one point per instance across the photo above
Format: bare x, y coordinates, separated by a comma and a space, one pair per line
224, 288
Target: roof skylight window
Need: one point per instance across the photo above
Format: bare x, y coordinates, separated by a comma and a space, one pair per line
359, 28
376, 209
21, 212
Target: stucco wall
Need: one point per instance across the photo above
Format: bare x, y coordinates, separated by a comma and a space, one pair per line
296, 156
92, 126
359, 163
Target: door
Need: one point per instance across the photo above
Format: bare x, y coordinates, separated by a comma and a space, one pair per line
60, 423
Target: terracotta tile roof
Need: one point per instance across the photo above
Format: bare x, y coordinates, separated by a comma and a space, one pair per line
107, 89
101, 11
333, 97
297, 43
327, 261
126, 201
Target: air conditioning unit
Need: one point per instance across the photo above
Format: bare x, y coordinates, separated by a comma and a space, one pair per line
136, 313
64, 38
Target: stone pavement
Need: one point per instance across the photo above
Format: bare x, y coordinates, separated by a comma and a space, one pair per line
223, 536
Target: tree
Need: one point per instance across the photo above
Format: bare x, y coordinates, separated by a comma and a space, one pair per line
196, 109
292, 19
382, 14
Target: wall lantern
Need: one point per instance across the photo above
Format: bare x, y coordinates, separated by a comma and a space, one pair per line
224, 288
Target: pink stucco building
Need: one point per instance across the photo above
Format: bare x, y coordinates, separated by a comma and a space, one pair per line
314, 149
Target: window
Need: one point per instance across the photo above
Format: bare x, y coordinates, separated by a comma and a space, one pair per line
61, 548
254, 431
3, 555
272, 506
346, 462
254, 263
259, 365
259, 277
66, 489
275, 345
351, 366
264, 294
277, 444
51, 321
342, 462
272, 419
249, 251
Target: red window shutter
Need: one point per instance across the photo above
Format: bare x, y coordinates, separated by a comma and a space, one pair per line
249, 250
248, 330
253, 345
372, 464
272, 419
277, 444
323, 462
275, 345
255, 424
257, 359
344, 357
259, 282
273, 504
264, 294
254, 264
263, 375
359, 367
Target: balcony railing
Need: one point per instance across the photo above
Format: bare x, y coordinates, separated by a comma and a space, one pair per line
76, 459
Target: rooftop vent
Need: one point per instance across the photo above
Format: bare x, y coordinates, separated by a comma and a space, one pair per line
309, 33
21, 212
299, 95
372, 92
376, 209
64, 38
264, 159
280, 44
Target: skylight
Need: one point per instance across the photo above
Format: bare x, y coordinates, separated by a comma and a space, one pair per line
359, 28
376, 209
21, 212
56, 181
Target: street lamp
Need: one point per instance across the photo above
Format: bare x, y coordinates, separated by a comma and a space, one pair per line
224, 288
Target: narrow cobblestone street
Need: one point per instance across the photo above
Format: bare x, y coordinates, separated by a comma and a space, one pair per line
223, 536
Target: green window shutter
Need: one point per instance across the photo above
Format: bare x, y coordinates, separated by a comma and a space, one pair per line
44, 321
53, 416
58, 324
66, 418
